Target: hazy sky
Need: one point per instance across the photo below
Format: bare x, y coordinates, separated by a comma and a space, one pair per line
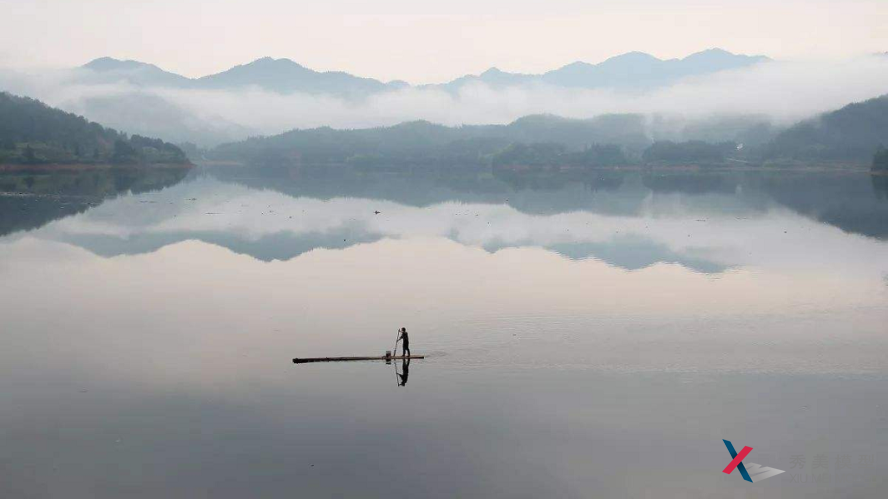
427, 41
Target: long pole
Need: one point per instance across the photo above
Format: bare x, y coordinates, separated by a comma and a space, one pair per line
394, 354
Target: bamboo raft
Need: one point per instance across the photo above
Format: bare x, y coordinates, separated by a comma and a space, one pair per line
349, 359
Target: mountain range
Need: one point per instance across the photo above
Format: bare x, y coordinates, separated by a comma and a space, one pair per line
849, 136
631, 71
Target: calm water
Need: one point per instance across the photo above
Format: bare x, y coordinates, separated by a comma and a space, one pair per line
594, 338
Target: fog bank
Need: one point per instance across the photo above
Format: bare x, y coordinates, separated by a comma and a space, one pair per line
782, 91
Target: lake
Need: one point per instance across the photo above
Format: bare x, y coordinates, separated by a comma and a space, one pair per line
592, 337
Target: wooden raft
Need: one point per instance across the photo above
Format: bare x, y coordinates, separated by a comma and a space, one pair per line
348, 359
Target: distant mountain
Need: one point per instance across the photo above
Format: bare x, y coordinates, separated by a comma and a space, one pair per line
285, 76
146, 113
637, 70
853, 133
32, 133
632, 71
426, 145
493, 78
274, 75
142, 108
553, 139
109, 70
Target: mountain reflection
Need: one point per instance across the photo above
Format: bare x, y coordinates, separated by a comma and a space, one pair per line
705, 222
31, 200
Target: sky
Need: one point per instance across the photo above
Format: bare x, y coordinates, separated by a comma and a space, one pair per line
429, 41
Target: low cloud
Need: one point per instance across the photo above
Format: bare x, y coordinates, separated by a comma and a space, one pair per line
782, 91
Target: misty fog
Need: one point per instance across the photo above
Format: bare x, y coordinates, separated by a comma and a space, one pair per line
779, 91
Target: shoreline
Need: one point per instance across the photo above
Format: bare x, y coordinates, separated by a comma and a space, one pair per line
79, 167
813, 168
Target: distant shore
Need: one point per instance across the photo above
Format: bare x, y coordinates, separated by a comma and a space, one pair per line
78, 167
520, 169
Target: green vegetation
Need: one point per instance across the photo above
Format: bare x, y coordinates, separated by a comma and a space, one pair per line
549, 155
531, 143
847, 136
32, 133
420, 144
880, 160
691, 152
852, 133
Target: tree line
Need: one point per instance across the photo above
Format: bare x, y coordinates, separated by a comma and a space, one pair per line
32, 133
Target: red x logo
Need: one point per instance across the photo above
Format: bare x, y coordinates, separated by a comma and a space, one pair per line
738, 460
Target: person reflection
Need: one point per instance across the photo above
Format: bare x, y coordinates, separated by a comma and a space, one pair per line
405, 369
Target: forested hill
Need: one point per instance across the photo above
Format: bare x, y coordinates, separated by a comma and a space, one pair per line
852, 133
850, 136
423, 143
32, 133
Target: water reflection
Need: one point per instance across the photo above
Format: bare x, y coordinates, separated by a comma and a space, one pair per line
577, 331
405, 372
672, 248
629, 220
31, 200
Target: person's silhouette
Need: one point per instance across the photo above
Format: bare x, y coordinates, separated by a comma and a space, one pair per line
406, 341
405, 368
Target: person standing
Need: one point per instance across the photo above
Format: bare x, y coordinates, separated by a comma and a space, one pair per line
402, 336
